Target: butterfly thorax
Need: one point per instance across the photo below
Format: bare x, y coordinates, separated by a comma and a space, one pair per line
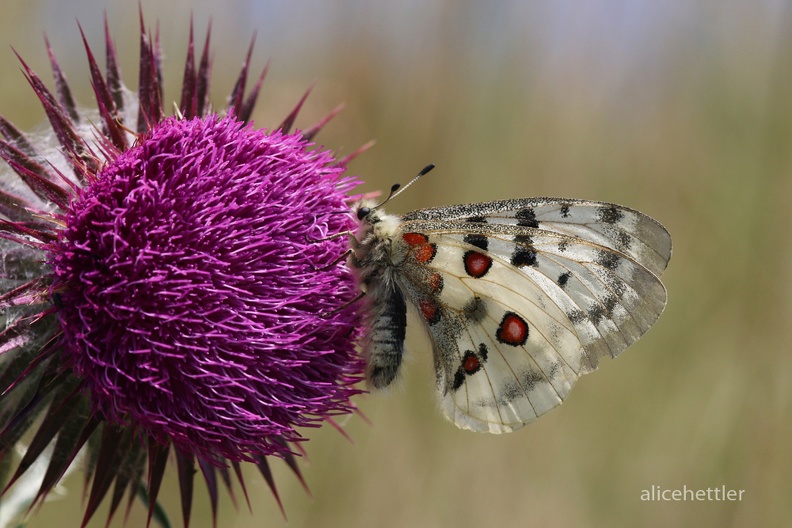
374, 252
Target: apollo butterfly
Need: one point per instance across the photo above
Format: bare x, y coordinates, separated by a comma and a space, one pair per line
519, 297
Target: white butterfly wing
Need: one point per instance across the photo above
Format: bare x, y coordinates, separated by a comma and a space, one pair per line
630, 232
508, 385
578, 299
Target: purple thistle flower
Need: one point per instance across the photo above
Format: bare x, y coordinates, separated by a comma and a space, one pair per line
179, 286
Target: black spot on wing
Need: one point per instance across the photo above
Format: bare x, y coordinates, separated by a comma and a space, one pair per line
475, 310
576, 316
515, 390
523, 240
603, 310
480, 241
531, 378
564, 210
459, 379
596, 313
483, 352
623, 241
608, 259
524, 253
523, 256
616, 285
609, 214
526, 218
563, 279
476, 220
511, 391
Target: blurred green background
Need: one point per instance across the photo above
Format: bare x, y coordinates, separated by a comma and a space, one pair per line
681, 109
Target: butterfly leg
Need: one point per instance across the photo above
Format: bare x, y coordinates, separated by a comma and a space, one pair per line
343, 256
359, 296
350, 234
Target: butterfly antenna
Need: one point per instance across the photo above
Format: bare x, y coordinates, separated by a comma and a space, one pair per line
397, 186
393, 189
424, 172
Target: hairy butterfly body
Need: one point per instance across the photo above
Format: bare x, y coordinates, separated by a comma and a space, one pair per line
519, 298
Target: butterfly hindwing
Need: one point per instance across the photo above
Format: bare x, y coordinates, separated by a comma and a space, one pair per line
578, 301
496, 370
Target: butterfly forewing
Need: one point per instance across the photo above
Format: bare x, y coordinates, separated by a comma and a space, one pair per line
614, 226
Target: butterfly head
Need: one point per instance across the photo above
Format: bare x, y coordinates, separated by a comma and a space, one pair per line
374, 221
364, 211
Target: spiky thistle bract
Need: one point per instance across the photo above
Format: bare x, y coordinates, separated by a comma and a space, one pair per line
171, 286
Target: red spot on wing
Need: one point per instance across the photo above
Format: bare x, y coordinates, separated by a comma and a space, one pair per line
477, 264
422, 250
436, 282
429, 310
513, 330
415, 239
471, 364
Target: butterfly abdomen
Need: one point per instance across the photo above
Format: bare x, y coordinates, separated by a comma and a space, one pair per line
385, 340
